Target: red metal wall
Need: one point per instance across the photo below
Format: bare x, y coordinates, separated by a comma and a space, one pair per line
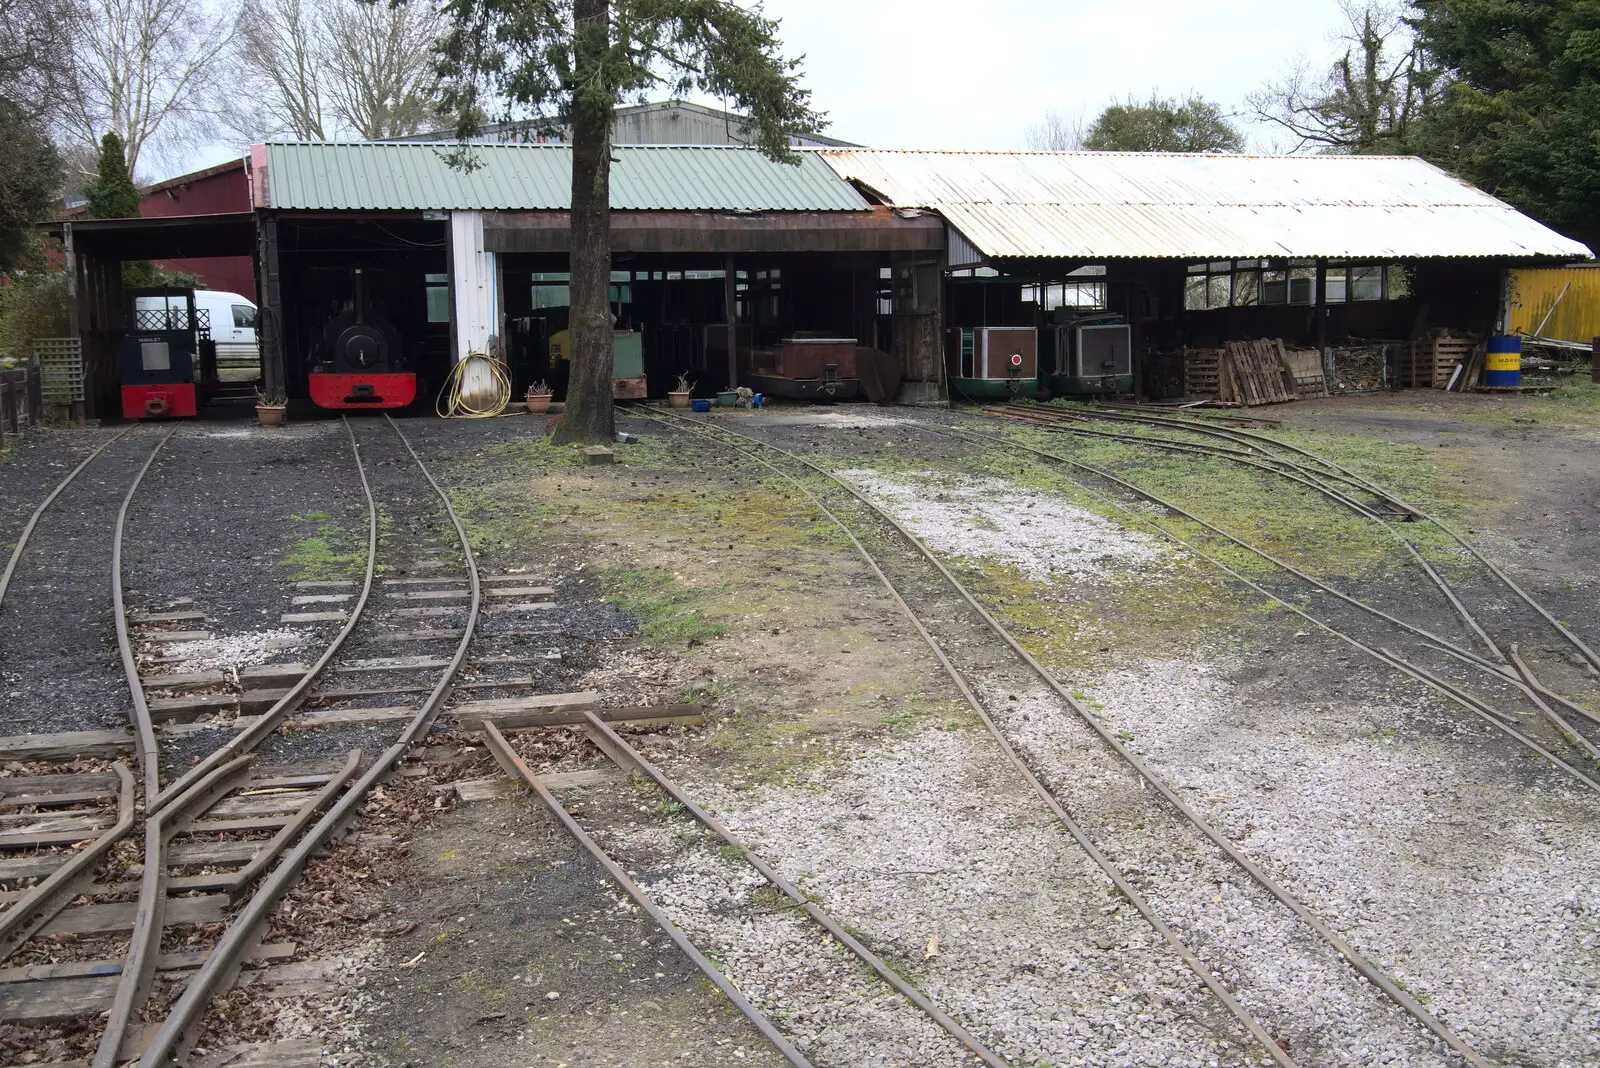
210, 192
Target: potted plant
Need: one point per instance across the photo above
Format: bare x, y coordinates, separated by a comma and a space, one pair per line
679, 398
270, 407
538, 398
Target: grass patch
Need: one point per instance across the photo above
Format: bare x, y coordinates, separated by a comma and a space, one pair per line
325, 552
668, 612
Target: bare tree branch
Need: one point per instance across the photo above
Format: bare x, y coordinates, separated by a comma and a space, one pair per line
1366, 99
281, 53
382, 79
145, 70
1058, 131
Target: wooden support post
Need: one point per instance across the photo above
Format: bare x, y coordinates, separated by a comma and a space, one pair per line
1594, 360
271, 333
730, 312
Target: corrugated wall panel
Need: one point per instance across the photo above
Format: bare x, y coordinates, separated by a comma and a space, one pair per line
1531, 294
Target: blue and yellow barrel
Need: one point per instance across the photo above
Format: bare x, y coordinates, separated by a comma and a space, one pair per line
1503, 363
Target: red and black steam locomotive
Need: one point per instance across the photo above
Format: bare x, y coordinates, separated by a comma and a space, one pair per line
359, 363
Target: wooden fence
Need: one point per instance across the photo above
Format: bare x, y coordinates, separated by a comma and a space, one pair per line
21, 404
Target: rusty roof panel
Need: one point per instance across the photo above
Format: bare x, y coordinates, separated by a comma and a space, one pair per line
1111, 205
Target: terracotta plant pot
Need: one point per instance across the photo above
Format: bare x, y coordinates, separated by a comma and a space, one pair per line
270, 414
538, 404
678, 400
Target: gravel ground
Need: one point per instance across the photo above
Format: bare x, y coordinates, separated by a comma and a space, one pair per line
34, 464
993, 520
216, 513
1470, 874
933, 844
809, 985
64, 678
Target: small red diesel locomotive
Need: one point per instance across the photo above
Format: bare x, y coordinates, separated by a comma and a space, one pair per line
157, 358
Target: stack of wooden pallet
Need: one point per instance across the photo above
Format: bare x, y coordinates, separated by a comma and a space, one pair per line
1306, 372
1202, 373
1433, 360
1256, 371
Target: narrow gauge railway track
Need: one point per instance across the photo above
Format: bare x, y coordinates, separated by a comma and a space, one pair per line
948, 618
1502, 671
221, 846
630, 760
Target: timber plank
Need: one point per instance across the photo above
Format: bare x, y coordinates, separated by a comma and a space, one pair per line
117, 917
137, 618
313, 617
188, 709
65, 746
102, 783
192, 680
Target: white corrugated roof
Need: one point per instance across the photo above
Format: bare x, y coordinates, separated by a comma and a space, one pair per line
1109, 205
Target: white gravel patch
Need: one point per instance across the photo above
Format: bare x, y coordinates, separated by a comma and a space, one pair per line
1040, 533
1463, 868
1280, 970
931, 843
234, 650
836, 419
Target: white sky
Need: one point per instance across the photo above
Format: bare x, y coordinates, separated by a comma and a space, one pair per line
965, 74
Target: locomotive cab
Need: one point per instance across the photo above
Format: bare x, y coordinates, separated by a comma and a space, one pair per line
167, 343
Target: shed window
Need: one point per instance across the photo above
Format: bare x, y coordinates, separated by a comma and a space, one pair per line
437, 290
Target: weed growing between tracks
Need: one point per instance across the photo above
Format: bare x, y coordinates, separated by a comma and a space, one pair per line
327, 552
746, 596
667, 612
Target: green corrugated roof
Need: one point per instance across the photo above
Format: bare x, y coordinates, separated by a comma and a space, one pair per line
389, 176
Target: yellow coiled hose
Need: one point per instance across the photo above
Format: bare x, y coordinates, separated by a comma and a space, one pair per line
452, 404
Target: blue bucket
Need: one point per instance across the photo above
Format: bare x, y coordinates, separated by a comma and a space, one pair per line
700, 405
1502, 366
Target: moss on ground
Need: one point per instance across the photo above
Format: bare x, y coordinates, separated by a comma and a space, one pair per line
325, 552
668, 612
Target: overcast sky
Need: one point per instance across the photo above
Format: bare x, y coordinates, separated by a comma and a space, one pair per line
957, 74
964, 74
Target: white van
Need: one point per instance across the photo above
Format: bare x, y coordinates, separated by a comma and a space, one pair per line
232, 316
233, 323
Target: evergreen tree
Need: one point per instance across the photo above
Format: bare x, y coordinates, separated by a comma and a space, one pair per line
112, 194
1161, 125
30, 177
1520, 113
570, 63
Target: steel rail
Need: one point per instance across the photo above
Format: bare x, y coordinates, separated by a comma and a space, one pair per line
139, 966
793, 893
144, 730
1371, 972
1301, 475
239, 880
1429, 679
1210, 979
1523, 680
41, 904
517, 768
1251, 437
33, 520
240, 935
1303, 576
269, 720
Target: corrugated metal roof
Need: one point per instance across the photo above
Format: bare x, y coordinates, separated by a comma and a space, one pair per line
388, 176
1108, 205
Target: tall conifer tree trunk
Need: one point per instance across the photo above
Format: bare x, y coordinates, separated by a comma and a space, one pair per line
589, 411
